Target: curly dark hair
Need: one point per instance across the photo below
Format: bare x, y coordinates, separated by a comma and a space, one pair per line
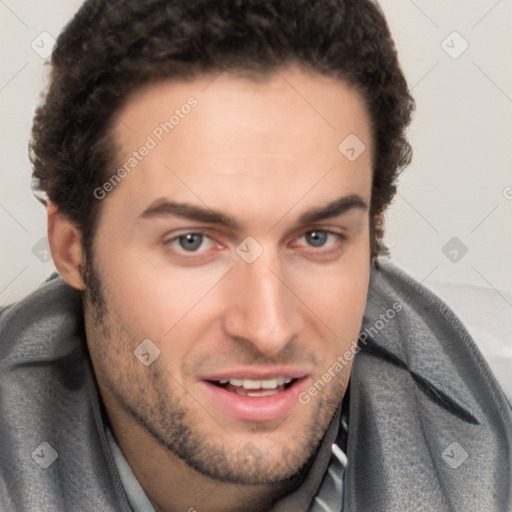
112, 47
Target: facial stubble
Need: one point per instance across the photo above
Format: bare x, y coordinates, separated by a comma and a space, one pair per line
161, 405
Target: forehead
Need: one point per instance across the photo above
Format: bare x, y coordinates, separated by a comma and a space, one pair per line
238, 115
215, 134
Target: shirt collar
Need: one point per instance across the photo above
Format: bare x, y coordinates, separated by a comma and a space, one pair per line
137, 498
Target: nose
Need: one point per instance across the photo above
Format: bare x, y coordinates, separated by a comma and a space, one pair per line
262, 307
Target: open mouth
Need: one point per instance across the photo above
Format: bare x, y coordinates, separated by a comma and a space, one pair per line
253, 397
255, 388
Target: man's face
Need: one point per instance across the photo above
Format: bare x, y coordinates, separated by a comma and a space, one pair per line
247, 317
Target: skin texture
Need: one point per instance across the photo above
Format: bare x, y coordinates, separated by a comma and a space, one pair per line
263, 153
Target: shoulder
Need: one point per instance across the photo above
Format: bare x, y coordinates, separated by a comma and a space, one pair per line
39, 322
487, 315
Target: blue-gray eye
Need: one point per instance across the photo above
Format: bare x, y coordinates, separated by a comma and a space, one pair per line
190, 241
316, 238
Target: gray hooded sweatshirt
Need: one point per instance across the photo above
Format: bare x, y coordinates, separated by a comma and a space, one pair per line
424, 424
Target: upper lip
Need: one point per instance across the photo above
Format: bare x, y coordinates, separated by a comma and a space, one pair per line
258, 373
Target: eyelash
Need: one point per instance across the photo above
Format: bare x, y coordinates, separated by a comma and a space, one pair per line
169, 243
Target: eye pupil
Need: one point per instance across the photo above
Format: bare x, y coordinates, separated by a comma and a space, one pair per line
190, 241
317, 238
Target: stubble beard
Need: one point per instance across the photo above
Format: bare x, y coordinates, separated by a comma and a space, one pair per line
156, 401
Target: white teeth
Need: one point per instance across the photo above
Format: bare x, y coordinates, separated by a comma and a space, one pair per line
270, 383
258, 384
252, 384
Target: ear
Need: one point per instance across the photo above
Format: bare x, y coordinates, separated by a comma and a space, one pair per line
66, 246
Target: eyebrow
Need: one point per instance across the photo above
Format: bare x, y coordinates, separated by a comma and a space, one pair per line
163, 207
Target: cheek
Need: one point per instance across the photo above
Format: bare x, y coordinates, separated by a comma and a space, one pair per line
339, 300
154, 299
337, 295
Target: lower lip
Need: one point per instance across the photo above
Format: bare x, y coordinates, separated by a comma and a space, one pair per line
255, 408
